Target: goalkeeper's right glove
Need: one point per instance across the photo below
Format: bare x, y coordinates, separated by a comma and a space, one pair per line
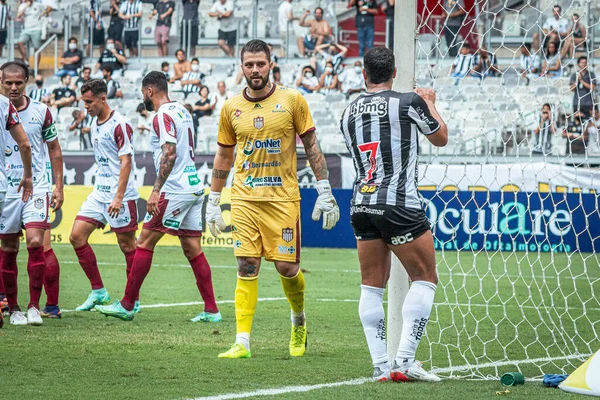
214, 218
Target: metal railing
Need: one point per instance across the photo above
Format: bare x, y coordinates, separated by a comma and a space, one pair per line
53, 38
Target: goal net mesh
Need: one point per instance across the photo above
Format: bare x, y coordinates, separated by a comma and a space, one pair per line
512, 197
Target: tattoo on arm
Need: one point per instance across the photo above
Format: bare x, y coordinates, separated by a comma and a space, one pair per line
315, 156
220, 174
167, 162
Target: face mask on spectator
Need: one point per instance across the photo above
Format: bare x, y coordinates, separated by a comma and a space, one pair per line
72, 46
329, 70
39, 83
110, 46
195, 67
308, 75
358, 69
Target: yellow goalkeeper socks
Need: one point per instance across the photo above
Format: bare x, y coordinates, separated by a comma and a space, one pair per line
294, 291
246, 297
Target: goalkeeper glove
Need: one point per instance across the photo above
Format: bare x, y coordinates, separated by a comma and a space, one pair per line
326, 205
214, 218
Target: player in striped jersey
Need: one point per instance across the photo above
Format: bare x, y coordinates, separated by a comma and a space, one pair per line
32, 212
463, 63
4, 18
192, 80
131, 13
381, 132
40, 93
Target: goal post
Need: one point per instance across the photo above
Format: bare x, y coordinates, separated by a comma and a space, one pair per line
405, 29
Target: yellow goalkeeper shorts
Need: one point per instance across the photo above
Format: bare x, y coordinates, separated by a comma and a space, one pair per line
266, 229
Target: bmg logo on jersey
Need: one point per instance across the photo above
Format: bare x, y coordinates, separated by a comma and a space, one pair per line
271, 146
377, 105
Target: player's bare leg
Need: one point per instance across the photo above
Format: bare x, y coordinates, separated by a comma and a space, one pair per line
375, 259
293, 283
192, 249
51, 279
246, 298
418, 258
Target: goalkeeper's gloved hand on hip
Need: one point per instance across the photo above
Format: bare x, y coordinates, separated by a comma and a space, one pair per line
214, 218
326, 206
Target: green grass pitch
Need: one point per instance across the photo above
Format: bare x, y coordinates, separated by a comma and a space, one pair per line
488, 307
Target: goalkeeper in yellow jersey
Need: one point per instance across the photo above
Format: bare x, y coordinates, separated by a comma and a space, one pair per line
262, 122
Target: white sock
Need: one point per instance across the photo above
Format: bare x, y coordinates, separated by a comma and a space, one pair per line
372, 316
415, 314
243, 339
298, 318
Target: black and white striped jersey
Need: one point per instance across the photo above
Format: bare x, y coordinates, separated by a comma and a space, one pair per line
4, 14
131, 8
96, 8
38, 94
381, 133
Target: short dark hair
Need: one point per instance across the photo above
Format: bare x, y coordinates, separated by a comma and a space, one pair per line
582, 58
547, 105
179, 50
195, 59
96, 86
527, 45
86, 69
379, 65
319, 8
108, 69
14, 66
311, 69
157, 80
141, 107
164, 64
256, 46
558, 6
62, 78
576, 15
276, 70
466, 45
73, 38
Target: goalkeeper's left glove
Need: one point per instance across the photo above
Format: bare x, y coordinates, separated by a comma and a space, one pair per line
326, 205
214, 217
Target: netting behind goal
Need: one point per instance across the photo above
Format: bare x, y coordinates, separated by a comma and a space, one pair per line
513, 196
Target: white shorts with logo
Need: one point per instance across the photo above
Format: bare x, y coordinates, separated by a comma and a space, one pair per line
178, 215
16, 215
96, 213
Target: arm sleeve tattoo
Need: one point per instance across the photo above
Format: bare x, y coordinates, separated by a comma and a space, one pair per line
315, 156
167, 161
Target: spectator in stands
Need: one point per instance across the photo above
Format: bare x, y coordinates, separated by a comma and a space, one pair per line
352, 79
63, 96
112, 57
189, 25
485, 64
583, 84
71, 60
165, 68
145, 119
96, 27
389, 9
329, 80
277, 76
115, 28
307, 82
192, 81
113, 89
552, 65
577, 133
31, 12
554, 29
366, 10
319, 32
575, 39
544, 132
131, 13
333, 52
81, 125
181, 66
223, 11
274, 58
86, 73
164, 9
463, 63
220, 97
285, 17
203, 107
531, 64
40, 93
454, 14
4, 18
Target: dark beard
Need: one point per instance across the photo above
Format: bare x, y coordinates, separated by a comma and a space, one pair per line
260, 86
149, 105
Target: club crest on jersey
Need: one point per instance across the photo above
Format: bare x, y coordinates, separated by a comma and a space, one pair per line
171, 130
238, 112
8, 152
380, 108
38, 203
15, 117
287, 234
259, 123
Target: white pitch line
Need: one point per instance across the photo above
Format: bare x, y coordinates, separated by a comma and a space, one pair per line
360, 381
284, 390
487, 274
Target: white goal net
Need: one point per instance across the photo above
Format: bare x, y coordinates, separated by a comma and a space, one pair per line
512, 198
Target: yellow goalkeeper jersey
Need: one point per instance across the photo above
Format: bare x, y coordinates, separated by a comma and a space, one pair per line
264, 131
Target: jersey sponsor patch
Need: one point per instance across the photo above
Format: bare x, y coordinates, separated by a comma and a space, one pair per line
263, 181
271, 146
379, 107
259, 123
287, 234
